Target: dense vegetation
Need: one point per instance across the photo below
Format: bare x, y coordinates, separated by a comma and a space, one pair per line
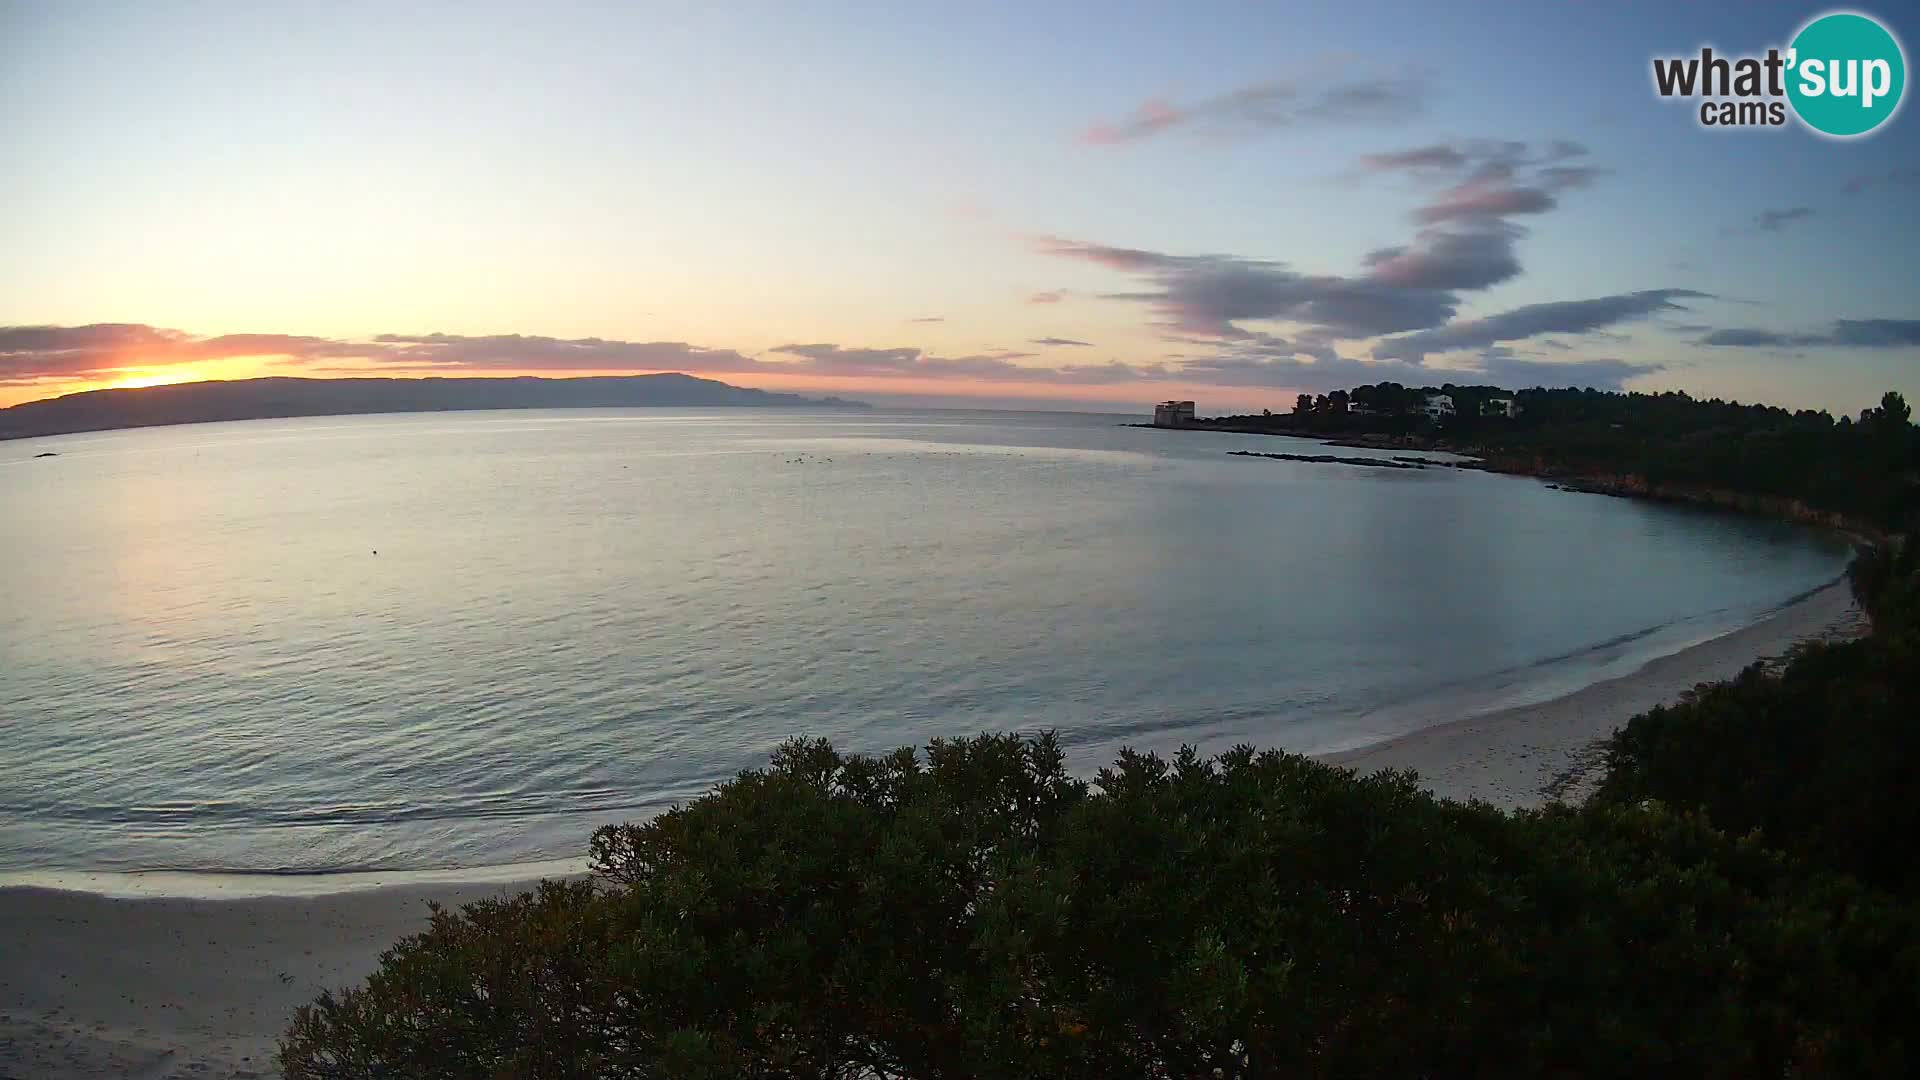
978, 912
1820, 758
1864, 469
1737, 901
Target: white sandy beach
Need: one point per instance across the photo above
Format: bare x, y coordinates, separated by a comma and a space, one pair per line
95, 986
1530, 755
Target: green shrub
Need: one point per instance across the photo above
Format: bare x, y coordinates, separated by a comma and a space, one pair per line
978, 912
1821, 758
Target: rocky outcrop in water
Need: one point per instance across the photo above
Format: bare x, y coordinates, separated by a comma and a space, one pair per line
1329, 459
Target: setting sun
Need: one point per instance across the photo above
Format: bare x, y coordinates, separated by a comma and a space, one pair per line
139, 377
134, 376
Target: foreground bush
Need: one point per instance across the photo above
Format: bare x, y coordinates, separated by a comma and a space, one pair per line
1822, 758
980, 913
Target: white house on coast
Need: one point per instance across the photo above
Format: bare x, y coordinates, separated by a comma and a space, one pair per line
1439, 406
1500, 406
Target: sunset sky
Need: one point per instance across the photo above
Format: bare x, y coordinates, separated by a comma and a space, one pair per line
1012, 203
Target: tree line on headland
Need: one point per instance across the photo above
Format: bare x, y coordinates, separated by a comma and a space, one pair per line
1738, 899
1805, 463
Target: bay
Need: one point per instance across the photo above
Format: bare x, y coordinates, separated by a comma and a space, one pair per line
459, 640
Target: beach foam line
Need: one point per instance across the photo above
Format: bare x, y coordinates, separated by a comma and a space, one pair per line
1525, 755
254, 884
1532, 684
1401, 727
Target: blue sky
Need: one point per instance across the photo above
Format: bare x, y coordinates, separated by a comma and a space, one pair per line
793, 195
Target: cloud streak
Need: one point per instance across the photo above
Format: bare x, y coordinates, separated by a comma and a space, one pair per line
1466, 241
1906, 176
1268, 107
1256, 359
101, 350
1485, 178
1404, 300
1776, 220
1476, 258
1844, 333
517, 352
1278, 363
850, 361
1209, 295
1535, 320
1407, 298
31, 354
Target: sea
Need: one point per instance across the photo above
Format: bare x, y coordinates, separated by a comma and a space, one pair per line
433, 642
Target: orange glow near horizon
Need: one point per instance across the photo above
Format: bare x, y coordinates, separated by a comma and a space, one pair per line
140, 375
137, 378
135, 375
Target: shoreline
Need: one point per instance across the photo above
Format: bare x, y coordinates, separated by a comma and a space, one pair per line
1564, 478
233, 885
1817, 603
1529, 755
130, 978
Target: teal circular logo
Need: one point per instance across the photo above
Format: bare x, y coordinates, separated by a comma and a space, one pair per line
1845, 74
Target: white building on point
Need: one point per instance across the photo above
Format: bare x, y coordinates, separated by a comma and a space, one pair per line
1173, 414
1439, 405
1500, 406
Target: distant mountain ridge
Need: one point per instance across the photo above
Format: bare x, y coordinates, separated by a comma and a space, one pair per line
271, 398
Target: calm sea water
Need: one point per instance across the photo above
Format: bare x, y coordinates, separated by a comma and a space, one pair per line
466, 639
